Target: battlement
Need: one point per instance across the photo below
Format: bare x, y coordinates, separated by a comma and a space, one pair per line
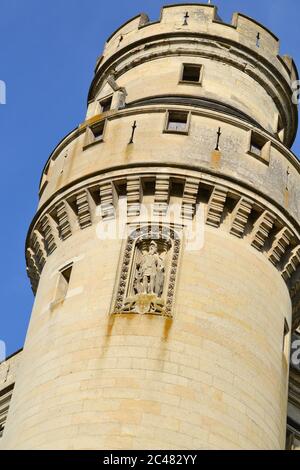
201, 19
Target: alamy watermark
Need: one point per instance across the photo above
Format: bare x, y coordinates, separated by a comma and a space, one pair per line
295, 353
116, 228
296, 92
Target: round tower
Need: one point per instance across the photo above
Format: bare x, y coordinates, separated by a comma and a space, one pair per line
165, 249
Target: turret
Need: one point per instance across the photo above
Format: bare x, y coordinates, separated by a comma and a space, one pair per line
165, 250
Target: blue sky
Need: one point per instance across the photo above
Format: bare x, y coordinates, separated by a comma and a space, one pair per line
47, 57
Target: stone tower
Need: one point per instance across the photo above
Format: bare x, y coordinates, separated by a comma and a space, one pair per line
165, 249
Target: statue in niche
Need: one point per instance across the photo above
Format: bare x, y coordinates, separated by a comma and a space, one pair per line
150, 272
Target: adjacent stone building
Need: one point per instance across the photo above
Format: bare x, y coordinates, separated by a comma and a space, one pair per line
165, 250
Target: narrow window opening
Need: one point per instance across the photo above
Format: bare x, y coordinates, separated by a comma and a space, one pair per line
98, 131
66, 274
133, 129
120, 40
177, 121
191, 73
219, 133
62, 285
106, 104
258, 40
185, 19
256, 148
259, 147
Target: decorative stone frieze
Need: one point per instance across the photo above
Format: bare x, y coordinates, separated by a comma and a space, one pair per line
216, 206
107, 197
47, 230
292, 264
262, 229
64, 225
39, 250
162, 194
83, 209
32, 269
240, 217
218, 203
134, 196
189, 199
280, 245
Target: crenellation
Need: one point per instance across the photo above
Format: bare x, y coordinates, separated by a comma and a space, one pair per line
197, 15
201, 19
266, 43
129, 27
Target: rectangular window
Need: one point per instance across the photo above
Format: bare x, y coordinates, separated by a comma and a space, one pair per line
62, 285
94, 134
191, 73
106, 104
259, 147
256, 148
98, 131
177, 122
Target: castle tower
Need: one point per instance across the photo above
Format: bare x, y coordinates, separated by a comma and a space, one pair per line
165, 249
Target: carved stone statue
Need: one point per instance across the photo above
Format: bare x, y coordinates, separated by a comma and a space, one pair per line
150, 272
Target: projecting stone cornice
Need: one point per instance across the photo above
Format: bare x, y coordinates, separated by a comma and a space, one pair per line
240, 212
235, 183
